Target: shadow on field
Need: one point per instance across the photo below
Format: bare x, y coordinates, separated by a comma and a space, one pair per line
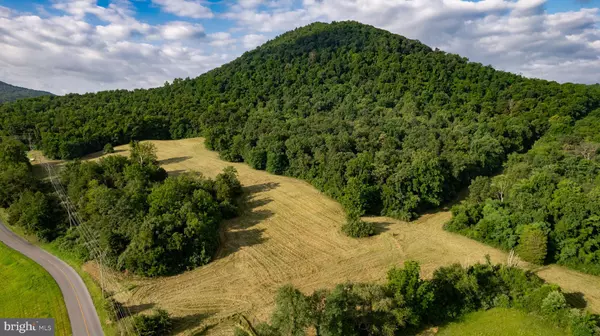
381, 227
258, 188
576, 300
176, 172
123, 311
136, 309
174, 160
239, 232
183, 323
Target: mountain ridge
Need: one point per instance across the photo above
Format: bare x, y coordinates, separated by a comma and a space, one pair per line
10, 92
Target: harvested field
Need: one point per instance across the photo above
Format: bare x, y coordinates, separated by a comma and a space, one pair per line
289, 233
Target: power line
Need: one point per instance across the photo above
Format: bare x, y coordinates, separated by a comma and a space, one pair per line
91, 242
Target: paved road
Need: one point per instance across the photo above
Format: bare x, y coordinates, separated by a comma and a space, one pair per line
83, 316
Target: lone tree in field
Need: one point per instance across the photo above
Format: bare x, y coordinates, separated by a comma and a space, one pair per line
357, 228
143, 153
533, 245
108, 149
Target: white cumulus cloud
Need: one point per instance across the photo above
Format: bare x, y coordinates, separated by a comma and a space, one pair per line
185, 8
181, 31
254, 40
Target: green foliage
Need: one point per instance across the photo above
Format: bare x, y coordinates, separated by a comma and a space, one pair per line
357, 228
407, 303
293, 314
415, 295
148, 223
157, 324
533, 245
382, 123
108, 149
554, 185
583, 324
554, 303
15, 171
502, 301
38, 214
143, 153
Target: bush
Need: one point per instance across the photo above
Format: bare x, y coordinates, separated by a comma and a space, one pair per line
502, 301
108, 149
37, 214
157, 324
553, 303
583, 324
357, 228
114, 308
533, 245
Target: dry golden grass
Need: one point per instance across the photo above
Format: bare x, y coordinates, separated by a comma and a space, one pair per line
289, 233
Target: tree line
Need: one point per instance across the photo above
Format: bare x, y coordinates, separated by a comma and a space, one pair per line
145, 221
546, 202
384, 124
407, 303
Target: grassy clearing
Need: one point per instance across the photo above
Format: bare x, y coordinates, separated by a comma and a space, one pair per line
95, 291
27, 290
501, 322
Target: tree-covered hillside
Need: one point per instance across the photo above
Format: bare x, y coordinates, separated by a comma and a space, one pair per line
10, 93
380, 122
546, 204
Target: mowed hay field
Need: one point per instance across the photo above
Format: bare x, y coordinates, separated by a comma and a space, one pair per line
288, 232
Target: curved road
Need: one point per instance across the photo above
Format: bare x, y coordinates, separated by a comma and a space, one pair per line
83, 316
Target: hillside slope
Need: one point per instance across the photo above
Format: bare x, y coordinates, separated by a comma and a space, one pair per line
382, 123
10, 93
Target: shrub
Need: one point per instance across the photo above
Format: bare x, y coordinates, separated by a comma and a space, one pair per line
108, 149
114, 308
357, 228
157, 324
533, 245
37, 214
553, 303
582, 323
502, 301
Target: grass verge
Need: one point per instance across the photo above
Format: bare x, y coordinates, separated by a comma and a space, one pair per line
501, 322
28, 291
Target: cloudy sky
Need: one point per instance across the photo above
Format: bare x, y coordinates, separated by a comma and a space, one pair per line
90, 45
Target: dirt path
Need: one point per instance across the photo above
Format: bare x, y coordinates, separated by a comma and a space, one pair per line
289, 233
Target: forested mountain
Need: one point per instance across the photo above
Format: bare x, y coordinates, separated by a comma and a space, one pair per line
380, 122
10, 92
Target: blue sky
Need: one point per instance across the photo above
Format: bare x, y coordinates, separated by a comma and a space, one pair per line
90, 45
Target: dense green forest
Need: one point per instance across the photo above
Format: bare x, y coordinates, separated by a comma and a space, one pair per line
143, 220
380, 122
546, 203
10, 93
407, 303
